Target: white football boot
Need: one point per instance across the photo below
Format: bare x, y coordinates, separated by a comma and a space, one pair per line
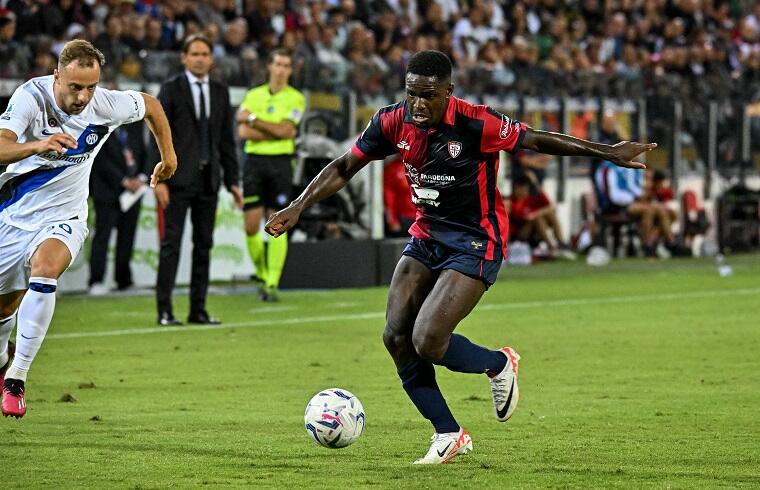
446, 447
504, 387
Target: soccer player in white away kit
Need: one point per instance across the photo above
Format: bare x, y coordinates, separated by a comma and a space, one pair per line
49, 136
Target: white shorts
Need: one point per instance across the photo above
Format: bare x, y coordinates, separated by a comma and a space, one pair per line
17, 247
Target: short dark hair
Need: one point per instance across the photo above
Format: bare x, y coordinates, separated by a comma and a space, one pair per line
659, 176
196, 37
82, 51
430, 63
279, 52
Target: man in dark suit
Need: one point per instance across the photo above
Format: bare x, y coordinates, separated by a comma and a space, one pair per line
121, 166
201, 119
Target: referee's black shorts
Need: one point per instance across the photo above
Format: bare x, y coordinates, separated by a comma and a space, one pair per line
268, 181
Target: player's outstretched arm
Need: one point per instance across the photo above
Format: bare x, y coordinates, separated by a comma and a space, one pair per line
621, 154
159, 126
330, 180
12, 152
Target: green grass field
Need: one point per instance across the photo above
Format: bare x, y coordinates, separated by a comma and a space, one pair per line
637, 375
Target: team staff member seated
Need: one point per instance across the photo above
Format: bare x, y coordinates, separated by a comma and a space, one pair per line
268, 120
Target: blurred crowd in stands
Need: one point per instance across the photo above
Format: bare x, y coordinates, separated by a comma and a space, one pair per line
695, 49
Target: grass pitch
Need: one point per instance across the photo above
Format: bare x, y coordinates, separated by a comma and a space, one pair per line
636, 375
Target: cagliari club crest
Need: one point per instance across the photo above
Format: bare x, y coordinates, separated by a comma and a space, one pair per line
455, 148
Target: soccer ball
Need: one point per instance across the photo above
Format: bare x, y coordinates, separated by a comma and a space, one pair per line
334, 418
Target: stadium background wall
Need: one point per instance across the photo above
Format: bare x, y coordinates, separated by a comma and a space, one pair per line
310, 264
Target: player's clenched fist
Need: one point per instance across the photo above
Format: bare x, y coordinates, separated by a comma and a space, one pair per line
162, 171
282, 221
59, 143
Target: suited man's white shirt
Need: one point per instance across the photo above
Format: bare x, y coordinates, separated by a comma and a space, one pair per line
197, 94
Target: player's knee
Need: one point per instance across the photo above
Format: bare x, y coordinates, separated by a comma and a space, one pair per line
393, 338
427, 345
44, 266
252, 228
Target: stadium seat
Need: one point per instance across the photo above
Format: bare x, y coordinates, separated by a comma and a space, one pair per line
605, 224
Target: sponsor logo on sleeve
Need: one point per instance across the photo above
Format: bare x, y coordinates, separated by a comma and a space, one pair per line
506, 127
137, 104
6, 116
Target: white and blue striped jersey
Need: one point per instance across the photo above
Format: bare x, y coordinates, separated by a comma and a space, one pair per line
49, 187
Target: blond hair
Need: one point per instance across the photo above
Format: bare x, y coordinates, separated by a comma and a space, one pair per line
82, 51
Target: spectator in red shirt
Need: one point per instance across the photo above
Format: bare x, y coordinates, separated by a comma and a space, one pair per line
532, 216
400, 212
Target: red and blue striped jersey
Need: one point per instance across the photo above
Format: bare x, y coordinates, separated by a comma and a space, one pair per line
451, 169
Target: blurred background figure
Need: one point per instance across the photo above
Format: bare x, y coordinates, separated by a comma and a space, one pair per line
200, 116
120, 167
533, 216
268, 121
400, 211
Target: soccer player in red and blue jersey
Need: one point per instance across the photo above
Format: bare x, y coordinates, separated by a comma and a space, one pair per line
450, 150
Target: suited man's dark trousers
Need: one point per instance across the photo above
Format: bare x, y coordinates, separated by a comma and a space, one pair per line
201, 202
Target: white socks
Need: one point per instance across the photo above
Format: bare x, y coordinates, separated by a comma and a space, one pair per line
34, 317
6, 327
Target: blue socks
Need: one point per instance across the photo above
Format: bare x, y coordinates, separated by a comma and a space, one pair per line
418, 380
463, 356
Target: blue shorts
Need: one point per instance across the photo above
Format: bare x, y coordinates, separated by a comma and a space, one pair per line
438, 257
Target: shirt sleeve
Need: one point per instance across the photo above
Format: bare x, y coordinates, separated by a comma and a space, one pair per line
124, 107
21, 111
296, 112
372, 144
247, 104
500, 132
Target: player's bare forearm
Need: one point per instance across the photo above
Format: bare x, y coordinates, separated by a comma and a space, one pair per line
245, 132
284, 130
12, 152
279, 131
330, 180
562, 144
158, 124
621, 154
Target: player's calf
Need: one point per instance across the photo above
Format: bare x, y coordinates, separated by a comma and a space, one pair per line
11, 350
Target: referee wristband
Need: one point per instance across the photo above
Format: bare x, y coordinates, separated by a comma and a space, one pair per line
251, 119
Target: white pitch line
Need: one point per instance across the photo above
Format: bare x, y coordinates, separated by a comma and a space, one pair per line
380, 314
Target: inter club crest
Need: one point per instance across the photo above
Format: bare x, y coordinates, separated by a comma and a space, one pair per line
455, 148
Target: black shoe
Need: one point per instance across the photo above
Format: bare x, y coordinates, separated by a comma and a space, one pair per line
166, 319
650, 251
269, 294
203, 318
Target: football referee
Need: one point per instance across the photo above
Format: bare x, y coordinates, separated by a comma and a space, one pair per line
268, 122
